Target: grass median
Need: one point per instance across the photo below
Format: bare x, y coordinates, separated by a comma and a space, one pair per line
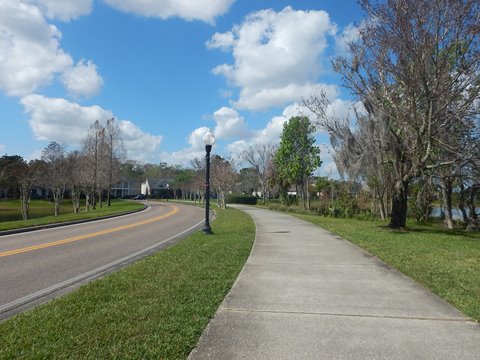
155, 309
445, 261
117, 207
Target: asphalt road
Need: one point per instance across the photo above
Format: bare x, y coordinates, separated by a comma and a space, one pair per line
39, 265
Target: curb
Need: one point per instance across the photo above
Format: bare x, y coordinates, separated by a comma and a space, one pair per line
66, 223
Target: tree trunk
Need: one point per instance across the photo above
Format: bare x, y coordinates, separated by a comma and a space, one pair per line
473, 218
56, 201
57, 197
382, 207
398, 217
25, 205
446, 186
87, 201
264, 194
75, 201
461, 203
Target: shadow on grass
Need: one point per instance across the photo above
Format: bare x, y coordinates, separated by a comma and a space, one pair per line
473, 235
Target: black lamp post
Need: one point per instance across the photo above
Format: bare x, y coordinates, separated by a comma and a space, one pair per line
208, 139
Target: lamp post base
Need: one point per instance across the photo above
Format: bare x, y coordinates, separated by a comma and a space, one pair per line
207, 230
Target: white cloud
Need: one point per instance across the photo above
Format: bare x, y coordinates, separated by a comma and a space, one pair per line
195, 139
185, 156
221, 41
205, 10
268, 135
82, 79
64, 9
258, 99
328, 168
34, 155
30, 55
229, 124
348, 35
276, 55
2, 149
140, 145
56, 119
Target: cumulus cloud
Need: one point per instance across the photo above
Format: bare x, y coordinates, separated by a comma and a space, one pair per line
229, 124
65, 10
30, 54
56, 119
270, 134
259, 99
204, 10
328, 167
195, 150
276, 55
349, 34
82, 79
140, 145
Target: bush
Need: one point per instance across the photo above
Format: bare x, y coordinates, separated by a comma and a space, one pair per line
241, 199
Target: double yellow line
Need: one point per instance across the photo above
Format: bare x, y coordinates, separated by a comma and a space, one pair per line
87, 236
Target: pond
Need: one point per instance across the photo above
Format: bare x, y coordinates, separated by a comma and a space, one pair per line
456, 214
15, 214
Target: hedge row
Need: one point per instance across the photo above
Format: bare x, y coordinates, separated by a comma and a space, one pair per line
241, 199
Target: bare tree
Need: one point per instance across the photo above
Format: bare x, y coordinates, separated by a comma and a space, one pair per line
115, 153
223, 178
54, 175
198, 181
93, 156
260, 156
74, 178
25, 174
416, 68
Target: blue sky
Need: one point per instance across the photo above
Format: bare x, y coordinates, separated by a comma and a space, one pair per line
167, 71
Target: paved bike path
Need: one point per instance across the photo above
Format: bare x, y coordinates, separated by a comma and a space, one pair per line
306, 293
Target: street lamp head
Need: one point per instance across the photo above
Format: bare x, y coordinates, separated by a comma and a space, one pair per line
209, 138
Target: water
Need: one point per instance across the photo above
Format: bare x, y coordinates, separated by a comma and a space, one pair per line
456, 214
15, 214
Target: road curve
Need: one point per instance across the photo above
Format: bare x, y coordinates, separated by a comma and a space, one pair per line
39, 265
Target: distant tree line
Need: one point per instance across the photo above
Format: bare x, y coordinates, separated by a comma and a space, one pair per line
90, 172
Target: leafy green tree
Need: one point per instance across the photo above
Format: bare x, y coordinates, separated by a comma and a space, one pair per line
248, 181
297, 157
8, 184
183, 182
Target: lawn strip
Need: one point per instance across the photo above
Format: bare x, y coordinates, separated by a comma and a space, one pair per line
154, 309
446, 262
117, 207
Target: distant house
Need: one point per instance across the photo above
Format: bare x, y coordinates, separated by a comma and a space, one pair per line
126, 188
157, 188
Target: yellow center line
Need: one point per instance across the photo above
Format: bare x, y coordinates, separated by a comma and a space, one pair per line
87, 236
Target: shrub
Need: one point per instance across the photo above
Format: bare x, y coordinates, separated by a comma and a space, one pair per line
241, 199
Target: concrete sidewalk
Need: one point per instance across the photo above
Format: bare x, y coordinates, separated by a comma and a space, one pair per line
305, 293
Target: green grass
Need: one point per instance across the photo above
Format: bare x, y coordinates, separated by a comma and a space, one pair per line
155, 309
118, 206
446, 262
